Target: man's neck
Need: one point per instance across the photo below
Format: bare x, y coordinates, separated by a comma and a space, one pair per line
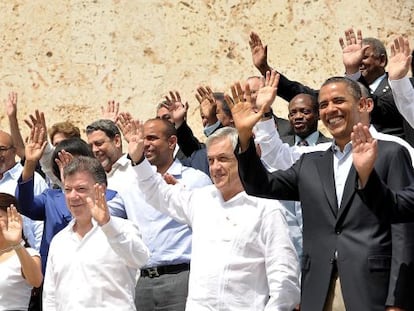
82, 228
162, 169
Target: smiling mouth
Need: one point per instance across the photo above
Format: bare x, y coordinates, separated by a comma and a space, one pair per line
335, 121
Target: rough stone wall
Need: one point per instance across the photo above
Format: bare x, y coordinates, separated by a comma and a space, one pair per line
68, 57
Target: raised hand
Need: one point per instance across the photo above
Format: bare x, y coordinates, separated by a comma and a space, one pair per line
177, 108
37, 140
352, 50
133, 131
267, 94
126, 125
208, 105
259, 53
400, 60
98, 207
38, 119
12, 231
63, 159
110, 112
11, 105
364, 152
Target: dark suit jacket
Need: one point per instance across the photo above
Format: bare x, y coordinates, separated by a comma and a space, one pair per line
372, 256
290, 139
385, 115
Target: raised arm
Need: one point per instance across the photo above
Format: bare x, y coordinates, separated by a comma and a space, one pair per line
402, 89
11, 111
352, 50
12, 233
244, 116
208, 105
34, 148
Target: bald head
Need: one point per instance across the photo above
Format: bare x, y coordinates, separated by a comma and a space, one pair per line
7, 152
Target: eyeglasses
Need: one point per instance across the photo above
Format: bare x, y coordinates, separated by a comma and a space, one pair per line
3, 149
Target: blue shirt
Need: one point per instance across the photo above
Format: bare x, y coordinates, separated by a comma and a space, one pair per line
50, 206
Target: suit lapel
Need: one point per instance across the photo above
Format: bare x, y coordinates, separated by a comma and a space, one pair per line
325, 168
383, 87
349, 192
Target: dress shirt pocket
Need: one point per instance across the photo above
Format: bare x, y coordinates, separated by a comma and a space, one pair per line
378, 263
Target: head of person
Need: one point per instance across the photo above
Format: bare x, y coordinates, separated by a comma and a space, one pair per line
163, 112
5, 201
7, 152
374, 61
80, 177
160, 139
340, 107
255, 84
105, 139
223, 163
303, 114
223, 111
61, 131
369, 104
75, 146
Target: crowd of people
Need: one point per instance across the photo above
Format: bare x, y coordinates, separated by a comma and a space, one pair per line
268, 214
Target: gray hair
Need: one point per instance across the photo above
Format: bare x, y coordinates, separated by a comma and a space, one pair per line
88, 165
107, 126
377, 47
229, 132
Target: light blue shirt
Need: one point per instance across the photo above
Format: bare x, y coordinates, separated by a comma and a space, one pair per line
312, 139
169, 242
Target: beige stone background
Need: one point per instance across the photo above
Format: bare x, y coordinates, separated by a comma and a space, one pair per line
68, 57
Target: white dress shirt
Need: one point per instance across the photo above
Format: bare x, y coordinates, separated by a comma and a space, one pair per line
96, 272
403, 93
242, 256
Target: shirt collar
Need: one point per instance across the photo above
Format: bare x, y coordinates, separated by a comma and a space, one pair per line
15, 171
175, 169
373, 86
311, 139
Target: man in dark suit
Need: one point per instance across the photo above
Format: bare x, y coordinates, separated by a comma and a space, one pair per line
364, 60
303, 117
343, 239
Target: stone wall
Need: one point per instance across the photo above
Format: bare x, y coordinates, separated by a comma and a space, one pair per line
68, 57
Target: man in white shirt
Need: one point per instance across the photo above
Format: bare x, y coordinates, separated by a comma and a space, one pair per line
92, 263
242, 257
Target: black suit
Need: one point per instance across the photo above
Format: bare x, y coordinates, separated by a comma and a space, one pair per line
385, 115
370, 268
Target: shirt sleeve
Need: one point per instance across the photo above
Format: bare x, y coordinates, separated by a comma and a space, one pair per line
173, 200
282, 266
403, 93
275, 155
125, 239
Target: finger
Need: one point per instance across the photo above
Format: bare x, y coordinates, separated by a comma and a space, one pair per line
229, 101
247, 93
234, 93
397, 44
359, 36
342, 43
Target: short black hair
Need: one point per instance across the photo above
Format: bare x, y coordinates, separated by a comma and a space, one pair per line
107, 126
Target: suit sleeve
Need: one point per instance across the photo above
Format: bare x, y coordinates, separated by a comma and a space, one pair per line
186, 140
257, 181
288, 89
401, 286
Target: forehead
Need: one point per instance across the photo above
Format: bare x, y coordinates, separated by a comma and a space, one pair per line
254, 83
154, 126
97, 135
220, 146
5, 139
301, 101
334, 89
79, 178
162, 111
